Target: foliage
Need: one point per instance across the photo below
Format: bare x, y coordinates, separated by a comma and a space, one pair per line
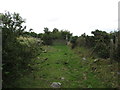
99, 42
102, 50
90, 41
73, 41
81, 41
15, 56
49, 37
32, 34
102, 42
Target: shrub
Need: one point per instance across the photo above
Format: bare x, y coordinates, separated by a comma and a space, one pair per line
15, 55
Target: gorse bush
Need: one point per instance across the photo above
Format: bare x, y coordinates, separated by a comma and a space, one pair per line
100, 43
15, 55
102, 50
81, 41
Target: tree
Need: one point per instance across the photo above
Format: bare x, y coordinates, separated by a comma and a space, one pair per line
55, 30
64, 33
47, 38
46, 30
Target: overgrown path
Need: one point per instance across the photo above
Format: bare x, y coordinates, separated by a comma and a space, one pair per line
60, 64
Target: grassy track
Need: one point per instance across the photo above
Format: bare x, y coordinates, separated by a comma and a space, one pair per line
61, 62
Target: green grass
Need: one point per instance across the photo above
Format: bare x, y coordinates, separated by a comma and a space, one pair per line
77, 73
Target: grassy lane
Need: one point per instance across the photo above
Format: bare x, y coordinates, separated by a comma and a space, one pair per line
61, 64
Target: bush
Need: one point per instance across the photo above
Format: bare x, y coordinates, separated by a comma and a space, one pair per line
73, 41
81, 41
15, 55
102, 50
47, 39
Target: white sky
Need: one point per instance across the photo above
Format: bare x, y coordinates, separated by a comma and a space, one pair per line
77, 16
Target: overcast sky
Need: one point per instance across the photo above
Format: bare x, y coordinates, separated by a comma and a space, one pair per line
77, 16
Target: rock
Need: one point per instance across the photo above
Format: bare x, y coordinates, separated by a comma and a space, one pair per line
96, 60
56, 85
62, 78
84, 58
38, 57
45, 51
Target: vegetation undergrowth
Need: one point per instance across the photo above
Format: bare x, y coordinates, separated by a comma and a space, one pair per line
103, 69
59, 61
